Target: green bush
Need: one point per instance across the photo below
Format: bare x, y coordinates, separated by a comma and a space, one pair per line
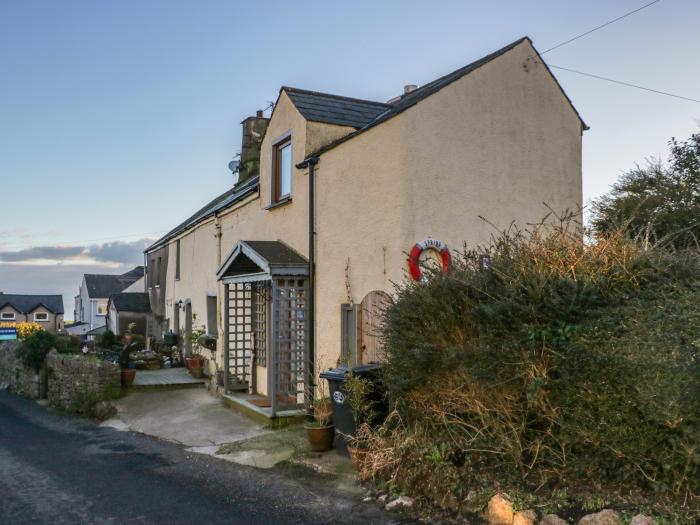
107, 339
67, 344
34, 348
562, 365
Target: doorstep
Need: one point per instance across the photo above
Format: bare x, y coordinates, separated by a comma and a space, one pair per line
243, 403
165, 379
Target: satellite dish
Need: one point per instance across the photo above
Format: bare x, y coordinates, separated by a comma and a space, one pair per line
234, 166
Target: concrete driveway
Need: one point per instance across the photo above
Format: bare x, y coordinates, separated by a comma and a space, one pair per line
191, 417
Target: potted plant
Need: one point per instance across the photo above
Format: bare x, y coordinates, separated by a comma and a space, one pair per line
358, 391
320, 431
128, 373
195, 359
129, 334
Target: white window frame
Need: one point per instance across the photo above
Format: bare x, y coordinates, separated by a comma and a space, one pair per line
38, 320
97, 309
275, 199
3, 318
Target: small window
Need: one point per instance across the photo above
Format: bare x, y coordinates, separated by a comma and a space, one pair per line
41, 317
7, 316
101, 308
282, 170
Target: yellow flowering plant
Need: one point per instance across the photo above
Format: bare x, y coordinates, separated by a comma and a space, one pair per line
25, 330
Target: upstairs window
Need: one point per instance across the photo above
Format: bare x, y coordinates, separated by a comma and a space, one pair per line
7, 316
41, 317
101, 308
282, 170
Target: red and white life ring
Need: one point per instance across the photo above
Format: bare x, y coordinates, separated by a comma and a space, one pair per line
427, 244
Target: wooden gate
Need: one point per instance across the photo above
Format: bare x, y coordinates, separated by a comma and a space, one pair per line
370, 321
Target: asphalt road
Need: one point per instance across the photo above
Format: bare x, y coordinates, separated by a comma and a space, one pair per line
57, 469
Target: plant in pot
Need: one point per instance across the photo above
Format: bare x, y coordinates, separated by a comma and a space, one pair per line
358, 391
195, 361
320, 430
128, 373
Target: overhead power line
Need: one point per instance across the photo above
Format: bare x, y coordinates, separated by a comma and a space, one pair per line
599, 27
622, 83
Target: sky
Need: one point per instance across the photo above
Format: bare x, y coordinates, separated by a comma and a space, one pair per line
118, 118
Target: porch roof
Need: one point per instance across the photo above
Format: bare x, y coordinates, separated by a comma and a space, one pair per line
255, 260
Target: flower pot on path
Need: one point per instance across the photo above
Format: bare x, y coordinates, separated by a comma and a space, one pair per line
128, 375
320, 438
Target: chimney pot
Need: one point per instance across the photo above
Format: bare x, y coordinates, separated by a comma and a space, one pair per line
408, 88
259, 113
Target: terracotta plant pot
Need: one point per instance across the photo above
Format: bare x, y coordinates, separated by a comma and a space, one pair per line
197, 372
320, 438
358, 456
195, 362
128, 375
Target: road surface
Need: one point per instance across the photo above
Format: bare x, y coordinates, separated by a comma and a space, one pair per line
58, 469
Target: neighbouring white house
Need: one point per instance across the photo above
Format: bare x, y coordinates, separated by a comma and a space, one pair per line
95, 291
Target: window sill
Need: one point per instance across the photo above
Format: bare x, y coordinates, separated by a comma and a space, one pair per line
277, 204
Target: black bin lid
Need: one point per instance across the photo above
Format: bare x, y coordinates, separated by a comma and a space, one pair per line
341, 373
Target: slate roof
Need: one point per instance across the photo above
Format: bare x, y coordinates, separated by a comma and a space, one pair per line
97, 331
222, 201
102, 286
276, 252
253, 257
131, 302
334, 109
28, 303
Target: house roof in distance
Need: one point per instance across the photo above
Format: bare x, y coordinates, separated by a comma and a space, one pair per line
102, 286
136, 302
28, 303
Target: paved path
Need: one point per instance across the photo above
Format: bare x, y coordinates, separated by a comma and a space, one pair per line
190, 417
165, 377
56, 469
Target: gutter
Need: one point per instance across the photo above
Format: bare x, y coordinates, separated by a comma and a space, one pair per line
311, 363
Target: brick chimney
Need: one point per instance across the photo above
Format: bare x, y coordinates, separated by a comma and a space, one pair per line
253, 132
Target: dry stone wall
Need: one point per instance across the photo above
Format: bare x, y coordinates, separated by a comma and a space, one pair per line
14, 375
72, 378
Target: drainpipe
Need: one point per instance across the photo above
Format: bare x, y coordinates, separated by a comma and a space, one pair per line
311, 366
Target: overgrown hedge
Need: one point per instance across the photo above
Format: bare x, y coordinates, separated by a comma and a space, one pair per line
561, 367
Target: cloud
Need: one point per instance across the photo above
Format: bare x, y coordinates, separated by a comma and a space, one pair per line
42, 252
118, 252
60, 269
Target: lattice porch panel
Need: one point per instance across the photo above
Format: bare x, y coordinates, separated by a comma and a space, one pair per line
291, 340
261, 300
240, 308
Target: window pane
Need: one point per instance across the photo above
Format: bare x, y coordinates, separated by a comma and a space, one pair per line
285, 175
